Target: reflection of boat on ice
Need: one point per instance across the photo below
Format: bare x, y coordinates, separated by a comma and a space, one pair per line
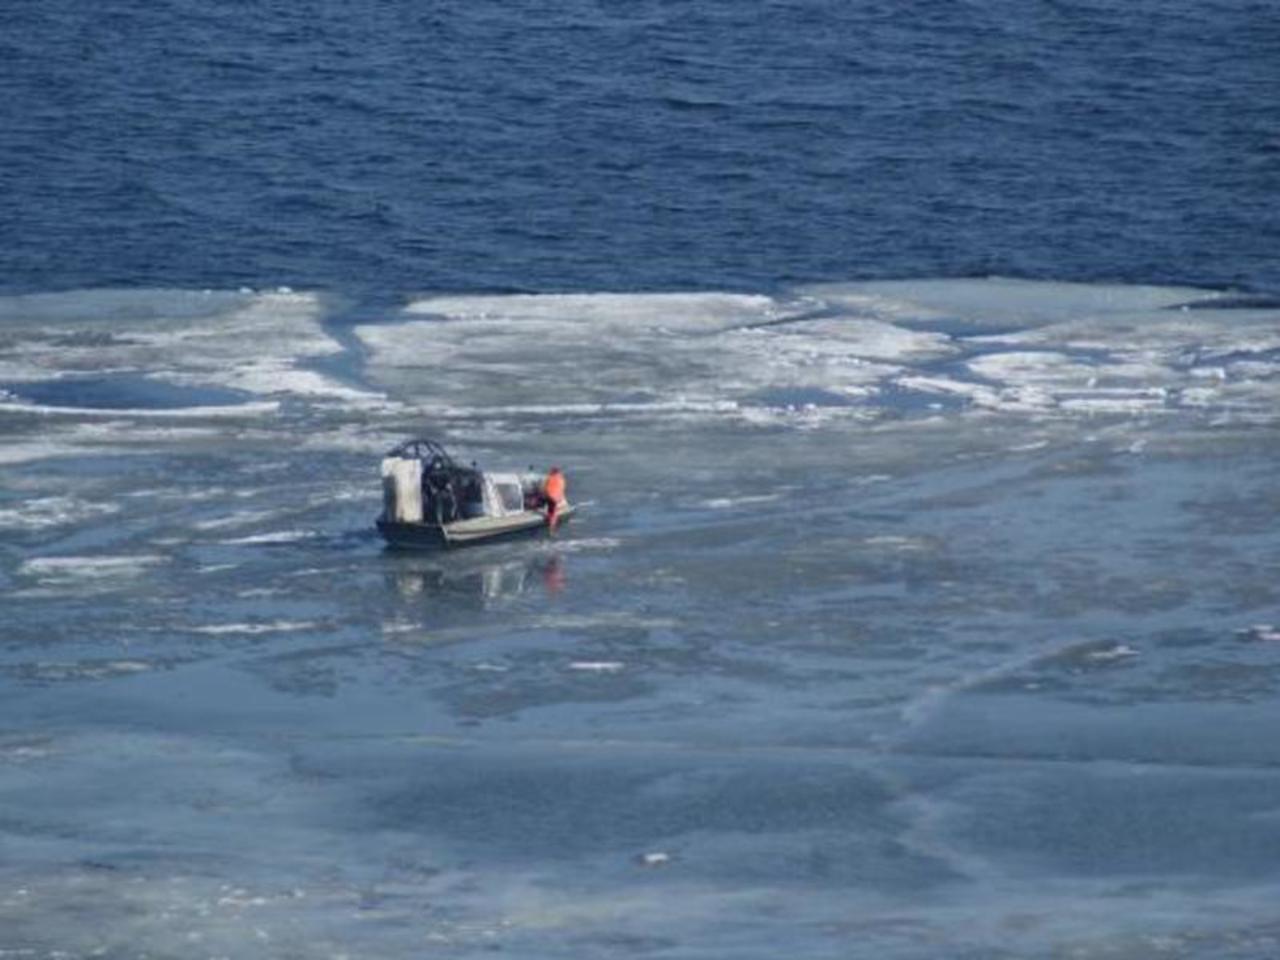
430, 500
476, 579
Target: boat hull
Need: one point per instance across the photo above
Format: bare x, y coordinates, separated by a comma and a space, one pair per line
423, 536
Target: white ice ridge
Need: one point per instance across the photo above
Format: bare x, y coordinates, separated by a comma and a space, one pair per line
254, 629
597, 666
684, 312
41, 512
998, 302
679, 405
72, 569
730, 503
89, 670
275, 536
239, 518
258, 409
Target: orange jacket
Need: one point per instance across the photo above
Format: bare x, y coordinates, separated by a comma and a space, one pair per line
554, 487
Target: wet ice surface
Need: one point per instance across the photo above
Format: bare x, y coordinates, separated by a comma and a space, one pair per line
905, 620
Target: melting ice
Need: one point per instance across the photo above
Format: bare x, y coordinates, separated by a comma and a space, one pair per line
907, 619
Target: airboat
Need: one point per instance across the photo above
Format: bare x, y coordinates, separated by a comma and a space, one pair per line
431, 500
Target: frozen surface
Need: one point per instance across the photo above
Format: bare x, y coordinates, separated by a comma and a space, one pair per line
904, 620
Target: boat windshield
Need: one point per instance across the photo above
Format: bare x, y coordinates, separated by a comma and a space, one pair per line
506, 493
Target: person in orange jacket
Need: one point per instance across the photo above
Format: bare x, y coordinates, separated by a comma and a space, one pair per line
553, 493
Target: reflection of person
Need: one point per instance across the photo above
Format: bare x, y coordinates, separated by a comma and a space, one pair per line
553, 575
553, 491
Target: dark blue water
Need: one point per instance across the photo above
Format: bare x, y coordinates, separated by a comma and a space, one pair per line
122, 392
380, 148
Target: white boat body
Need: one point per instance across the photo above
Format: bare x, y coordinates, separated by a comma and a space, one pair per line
430, 501
465, 531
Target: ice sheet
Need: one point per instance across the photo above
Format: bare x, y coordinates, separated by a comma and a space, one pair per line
890, 606
1010, 346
